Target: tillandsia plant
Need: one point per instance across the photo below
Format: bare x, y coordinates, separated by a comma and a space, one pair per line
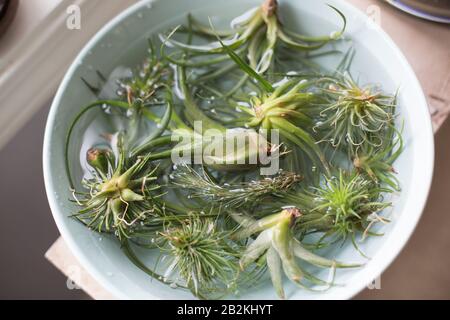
341, 207
200, 185
152, 77
288, 110
120, 196
279, 248
202, 255
257, 34
145, 84
357, 115
377, 161
214, 227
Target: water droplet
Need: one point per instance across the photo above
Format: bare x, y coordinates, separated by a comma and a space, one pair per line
106, 108
244, 104
281, 82
334, 34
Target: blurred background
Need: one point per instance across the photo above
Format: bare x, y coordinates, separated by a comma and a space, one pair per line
35, 51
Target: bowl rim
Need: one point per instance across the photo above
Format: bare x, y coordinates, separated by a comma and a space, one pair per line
371, 271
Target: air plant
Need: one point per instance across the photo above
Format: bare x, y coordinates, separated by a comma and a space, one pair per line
149, 82
340, 208
377, 162
201, 254
288, 110
119, 197
257, 35
203, 186
354, 115
279, 248
144, 84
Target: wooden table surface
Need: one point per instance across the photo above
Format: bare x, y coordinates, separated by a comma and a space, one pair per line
427, 47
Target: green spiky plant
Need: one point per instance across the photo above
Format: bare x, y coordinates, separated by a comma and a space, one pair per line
279, 248
119, 197
342, 207
232, 196
357, 115
256, 37
287, 109
202, 255
377, 161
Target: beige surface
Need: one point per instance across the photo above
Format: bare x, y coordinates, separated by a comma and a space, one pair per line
426, 45
63, 259
421, 270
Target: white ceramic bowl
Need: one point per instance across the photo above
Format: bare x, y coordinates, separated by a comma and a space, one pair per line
123, 42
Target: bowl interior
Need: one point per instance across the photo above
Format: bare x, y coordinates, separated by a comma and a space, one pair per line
123, 42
